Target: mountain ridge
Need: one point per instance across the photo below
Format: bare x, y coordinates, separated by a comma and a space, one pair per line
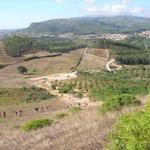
91, 25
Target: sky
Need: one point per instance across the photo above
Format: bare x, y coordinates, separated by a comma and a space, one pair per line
16, 14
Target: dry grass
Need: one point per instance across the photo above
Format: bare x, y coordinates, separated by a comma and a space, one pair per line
9, 77
28, 113
38, 54
85, 130
82, 131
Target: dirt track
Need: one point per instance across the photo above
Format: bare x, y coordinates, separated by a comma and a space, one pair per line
112, 62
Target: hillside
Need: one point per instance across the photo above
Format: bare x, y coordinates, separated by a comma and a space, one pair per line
91, 25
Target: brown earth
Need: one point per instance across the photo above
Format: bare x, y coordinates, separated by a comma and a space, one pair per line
9, 77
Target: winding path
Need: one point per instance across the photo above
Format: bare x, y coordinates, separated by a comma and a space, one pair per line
117, 67
108, 65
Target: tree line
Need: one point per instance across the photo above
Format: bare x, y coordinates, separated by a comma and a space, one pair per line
17, 46
126, 52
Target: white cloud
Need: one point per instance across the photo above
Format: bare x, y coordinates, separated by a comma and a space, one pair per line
114, 9
59, 1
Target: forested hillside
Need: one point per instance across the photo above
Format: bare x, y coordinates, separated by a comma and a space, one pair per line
92, 25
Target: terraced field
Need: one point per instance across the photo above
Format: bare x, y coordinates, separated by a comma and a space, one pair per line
91, 62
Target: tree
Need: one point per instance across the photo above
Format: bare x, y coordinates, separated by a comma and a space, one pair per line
22, 69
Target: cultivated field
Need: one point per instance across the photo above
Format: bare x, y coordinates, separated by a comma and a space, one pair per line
104, 53
94, 60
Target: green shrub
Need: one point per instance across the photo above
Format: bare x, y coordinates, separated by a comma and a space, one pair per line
36, 124
117, 102
37, 94
65, 88
132, 131
74, 109
22, 69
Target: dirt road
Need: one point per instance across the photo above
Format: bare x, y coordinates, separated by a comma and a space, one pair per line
112, 66
108, 65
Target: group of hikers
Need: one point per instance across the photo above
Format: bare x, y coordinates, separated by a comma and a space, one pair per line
4, 114
41, 109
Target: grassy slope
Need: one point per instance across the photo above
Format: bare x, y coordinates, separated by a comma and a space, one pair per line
84, 130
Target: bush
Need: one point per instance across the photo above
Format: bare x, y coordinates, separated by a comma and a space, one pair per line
65, 88
22, 69
132, 131
117, 102
36, 124
36, 94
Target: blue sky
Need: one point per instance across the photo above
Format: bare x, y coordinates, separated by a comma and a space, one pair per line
20, 13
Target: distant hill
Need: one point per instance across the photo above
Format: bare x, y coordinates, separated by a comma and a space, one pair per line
4, 33
91, 25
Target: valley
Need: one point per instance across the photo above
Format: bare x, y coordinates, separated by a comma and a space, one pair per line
77, 87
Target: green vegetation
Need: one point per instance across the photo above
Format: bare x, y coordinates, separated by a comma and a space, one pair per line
132, 51
34, 94
140, 42
36, 124
65, 88
22, 69
114, 89
74, 109
104, 85
119, 101
41, 123
132, 131
17, 46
